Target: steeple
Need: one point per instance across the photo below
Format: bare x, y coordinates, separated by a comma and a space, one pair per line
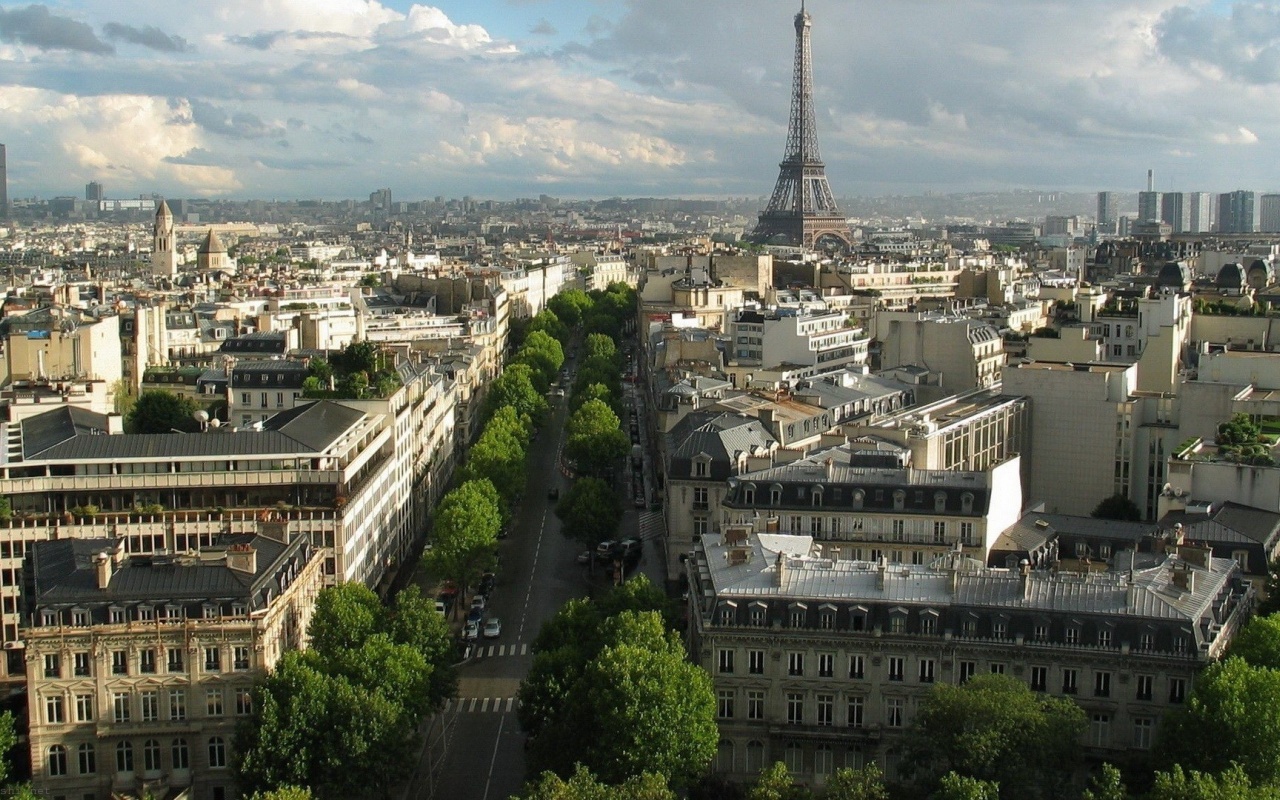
164, 254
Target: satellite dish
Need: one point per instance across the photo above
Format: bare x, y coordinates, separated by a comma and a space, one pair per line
201, 416
215, 423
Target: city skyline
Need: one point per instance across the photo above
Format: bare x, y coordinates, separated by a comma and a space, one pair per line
579, 98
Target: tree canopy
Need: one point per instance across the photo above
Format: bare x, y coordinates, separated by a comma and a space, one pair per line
582, 785
465, 533
570, 305
594, 439
360, 371
991, 728
515, 389
1117, 506
160, 411
589, 511
1258, 642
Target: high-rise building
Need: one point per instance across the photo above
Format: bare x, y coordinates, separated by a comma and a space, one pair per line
1108, 203
1236, 212
1175, 210
1200, 205
4, 185
802, 209
1269, 217
94, 192
380, 200
1149, 206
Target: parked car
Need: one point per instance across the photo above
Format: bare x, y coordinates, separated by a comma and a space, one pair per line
441, 608
486, 584
476, 616
605, 550
553, 493
479, 601
584, 557
471, 631
630, 547
492, 628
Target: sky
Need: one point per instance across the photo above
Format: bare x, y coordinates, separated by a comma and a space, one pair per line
331, 99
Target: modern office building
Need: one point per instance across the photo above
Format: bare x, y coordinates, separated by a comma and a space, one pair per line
1269, 213
94, 192
1175, 209
821, 661
1149, 206
1201, 216
4, 183
140, 666
1108, 211
1236, 212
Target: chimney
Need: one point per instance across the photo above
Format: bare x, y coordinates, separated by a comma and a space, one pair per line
242, 558
1025, 568
780, 570
1151, 180
102, 565
115, 424
831, 469
882, 566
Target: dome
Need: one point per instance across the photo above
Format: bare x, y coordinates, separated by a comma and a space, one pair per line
212, 244
1231, 276
1174, 273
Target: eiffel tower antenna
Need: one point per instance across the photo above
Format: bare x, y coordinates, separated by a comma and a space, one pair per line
802, 208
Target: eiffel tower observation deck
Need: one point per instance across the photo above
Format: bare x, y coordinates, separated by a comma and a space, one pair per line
802, 209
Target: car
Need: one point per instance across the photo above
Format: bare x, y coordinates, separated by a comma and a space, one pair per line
486, 584
604, 550
630, 547
584, 557
492, 628
471, 631
448, 589
559, 392
476, 616
553, 493
441, 608
479, 601
445, 601
639, 501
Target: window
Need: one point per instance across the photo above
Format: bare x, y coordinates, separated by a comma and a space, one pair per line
928, 624
893, 707
181, 756
1102, 684
119, 662
724, 703
793, 758
1144, 687
177, 704
1104, 637
1041, 633
52, 665
939, 532
151, 756
146, 613
898, 623
797, 617
826, 665
1039, 679
88, 759
147, 661
827, 620
997, 668
244, 701
213, 702
150, 702
856, 665
899, 530
999, 629
175, 660
120, 706
1071, 635
726, 662
212, 659
1177, 690
217, 752
124, 757
926, 670
57, 761
755, 705
1070, 681
264, 394
759, 616
966, 534
700, 498
84, 708
755, 757
755, 662
854, 712
896, 668
1100, 730
795, 708
795, 663
726, 615
82, 665
967, 670
1147, 641
54, 714
826, 709
1142, 728
823, 762
969, 627
246, 398
1179, 644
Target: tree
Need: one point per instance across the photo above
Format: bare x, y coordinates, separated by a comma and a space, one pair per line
595, 391
991, 728
1106, 785
466, 532
866, 783
601, 346
283, 793
514, 388
590, 511
1232, 784
1271, 592
1258, 642
544, 354
595, 441
570, 305
415, 622
546, 320
775, 783
1117, 506
360, 371
582, 785
345, 617
159, 411
960, 787
1232, 716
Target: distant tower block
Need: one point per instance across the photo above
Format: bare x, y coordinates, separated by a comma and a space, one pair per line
164, 253
802, 209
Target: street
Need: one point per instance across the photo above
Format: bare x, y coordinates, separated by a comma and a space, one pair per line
474, 748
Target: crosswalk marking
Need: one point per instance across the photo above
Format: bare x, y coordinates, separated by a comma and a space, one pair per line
652, 525
480, 705
502, 650
497, 651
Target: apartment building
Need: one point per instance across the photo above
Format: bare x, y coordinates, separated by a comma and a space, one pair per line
140, 666
822, 662
962, 352
865, 501
802, 343
259, 389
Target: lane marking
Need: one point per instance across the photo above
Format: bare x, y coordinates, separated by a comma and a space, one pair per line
493, 761
484, 707
510, 702
474, 700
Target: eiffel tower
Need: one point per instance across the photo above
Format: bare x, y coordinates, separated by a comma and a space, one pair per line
802, 209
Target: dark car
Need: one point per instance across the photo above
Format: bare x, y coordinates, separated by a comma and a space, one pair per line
553, 493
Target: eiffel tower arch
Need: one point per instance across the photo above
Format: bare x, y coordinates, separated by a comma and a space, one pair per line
802, 209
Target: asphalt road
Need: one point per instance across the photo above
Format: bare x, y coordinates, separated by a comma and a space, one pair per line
474, 749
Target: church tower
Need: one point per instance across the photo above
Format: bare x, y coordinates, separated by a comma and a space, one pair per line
164, 252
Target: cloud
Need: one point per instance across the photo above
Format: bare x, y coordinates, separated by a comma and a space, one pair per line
195, 157
1244, 44
302, 164
543, 28
1241, 135
146, 36
240, 125
34, 25
262, 40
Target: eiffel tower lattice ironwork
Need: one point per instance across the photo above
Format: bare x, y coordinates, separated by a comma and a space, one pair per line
802, 208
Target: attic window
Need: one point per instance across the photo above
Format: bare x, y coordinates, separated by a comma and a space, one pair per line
939, 501
899, 500
775, 495
966, 503
858, 497
700, 468
815, 496
749, 494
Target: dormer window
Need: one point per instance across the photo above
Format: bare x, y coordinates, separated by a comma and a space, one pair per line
700, 467
899, 500
775, 495
815, 496
858, 497
939, 501
966, 503
749, 494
